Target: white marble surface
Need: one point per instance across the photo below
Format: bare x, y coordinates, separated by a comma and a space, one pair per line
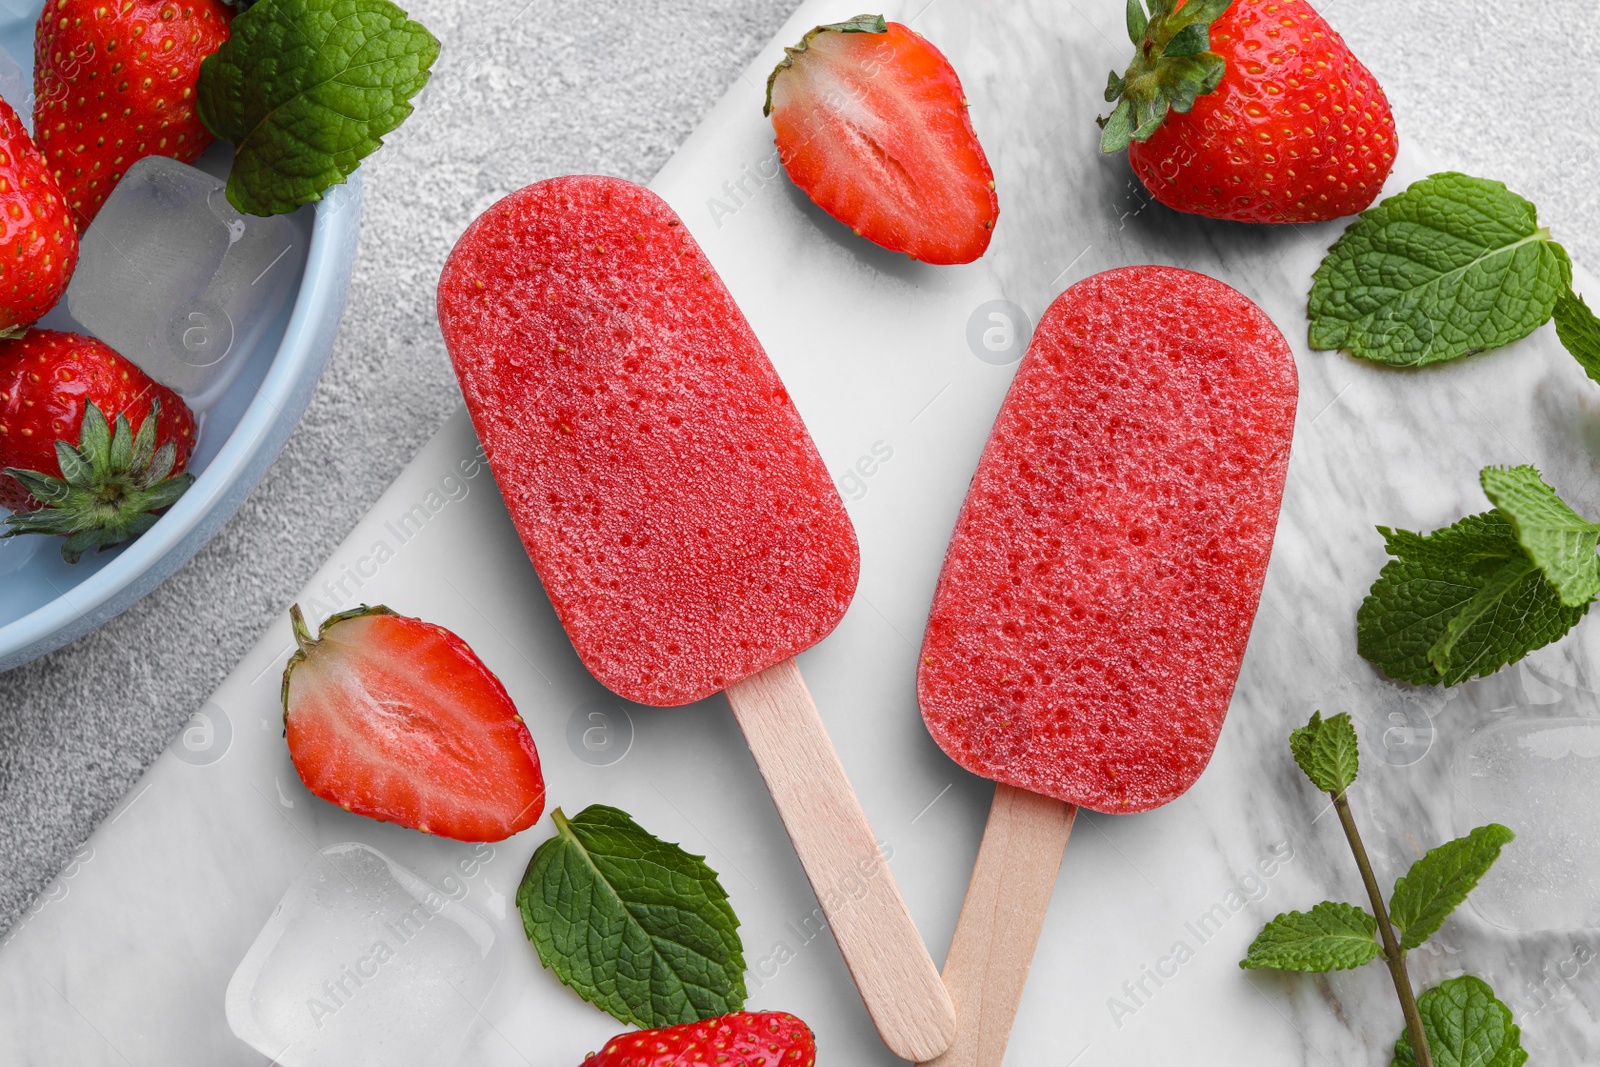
540, 88
125, 958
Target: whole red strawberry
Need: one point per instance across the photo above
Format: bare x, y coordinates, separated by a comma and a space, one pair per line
743, 1039
115, 82
91, 447
871, 122
398, 719
1255, 111
40, 244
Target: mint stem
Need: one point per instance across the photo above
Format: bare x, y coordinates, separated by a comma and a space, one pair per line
1392, 953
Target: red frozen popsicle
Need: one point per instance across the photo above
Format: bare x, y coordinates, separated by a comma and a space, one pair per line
679, 516
1098, 593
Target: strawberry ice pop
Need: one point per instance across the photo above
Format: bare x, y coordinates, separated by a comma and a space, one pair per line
678, 514
1098, 593
680, 518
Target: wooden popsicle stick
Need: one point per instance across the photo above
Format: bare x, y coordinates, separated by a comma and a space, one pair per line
1000, 921
865, 913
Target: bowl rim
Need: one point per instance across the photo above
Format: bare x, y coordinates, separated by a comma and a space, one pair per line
337, 218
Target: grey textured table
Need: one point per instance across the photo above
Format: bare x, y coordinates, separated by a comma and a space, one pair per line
612, 86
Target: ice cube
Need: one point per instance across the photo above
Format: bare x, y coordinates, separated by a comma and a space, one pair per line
176, 280
363, 963
1540, 776
16, 88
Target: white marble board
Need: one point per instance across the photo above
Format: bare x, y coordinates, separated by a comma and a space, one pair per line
125, 959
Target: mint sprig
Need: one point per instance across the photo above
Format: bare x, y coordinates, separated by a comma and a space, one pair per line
1467, 1026
1473, 597
634, 925
1451, 266
306, 89
1337, 936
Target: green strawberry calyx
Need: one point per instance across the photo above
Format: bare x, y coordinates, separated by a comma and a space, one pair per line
1173, 67
859, 24
111, 486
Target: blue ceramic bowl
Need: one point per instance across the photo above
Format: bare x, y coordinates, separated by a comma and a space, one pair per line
45, 602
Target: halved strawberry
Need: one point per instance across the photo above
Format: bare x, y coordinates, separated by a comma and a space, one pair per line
396, 719
871, 122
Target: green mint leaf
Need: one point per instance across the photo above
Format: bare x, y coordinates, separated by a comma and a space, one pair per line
1459, 603
1330, 937
1425, 896
1466, 1026
1483, 620
634, 925
1579, 331
1559, 540
1451, 266
306, 89
1326, 750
